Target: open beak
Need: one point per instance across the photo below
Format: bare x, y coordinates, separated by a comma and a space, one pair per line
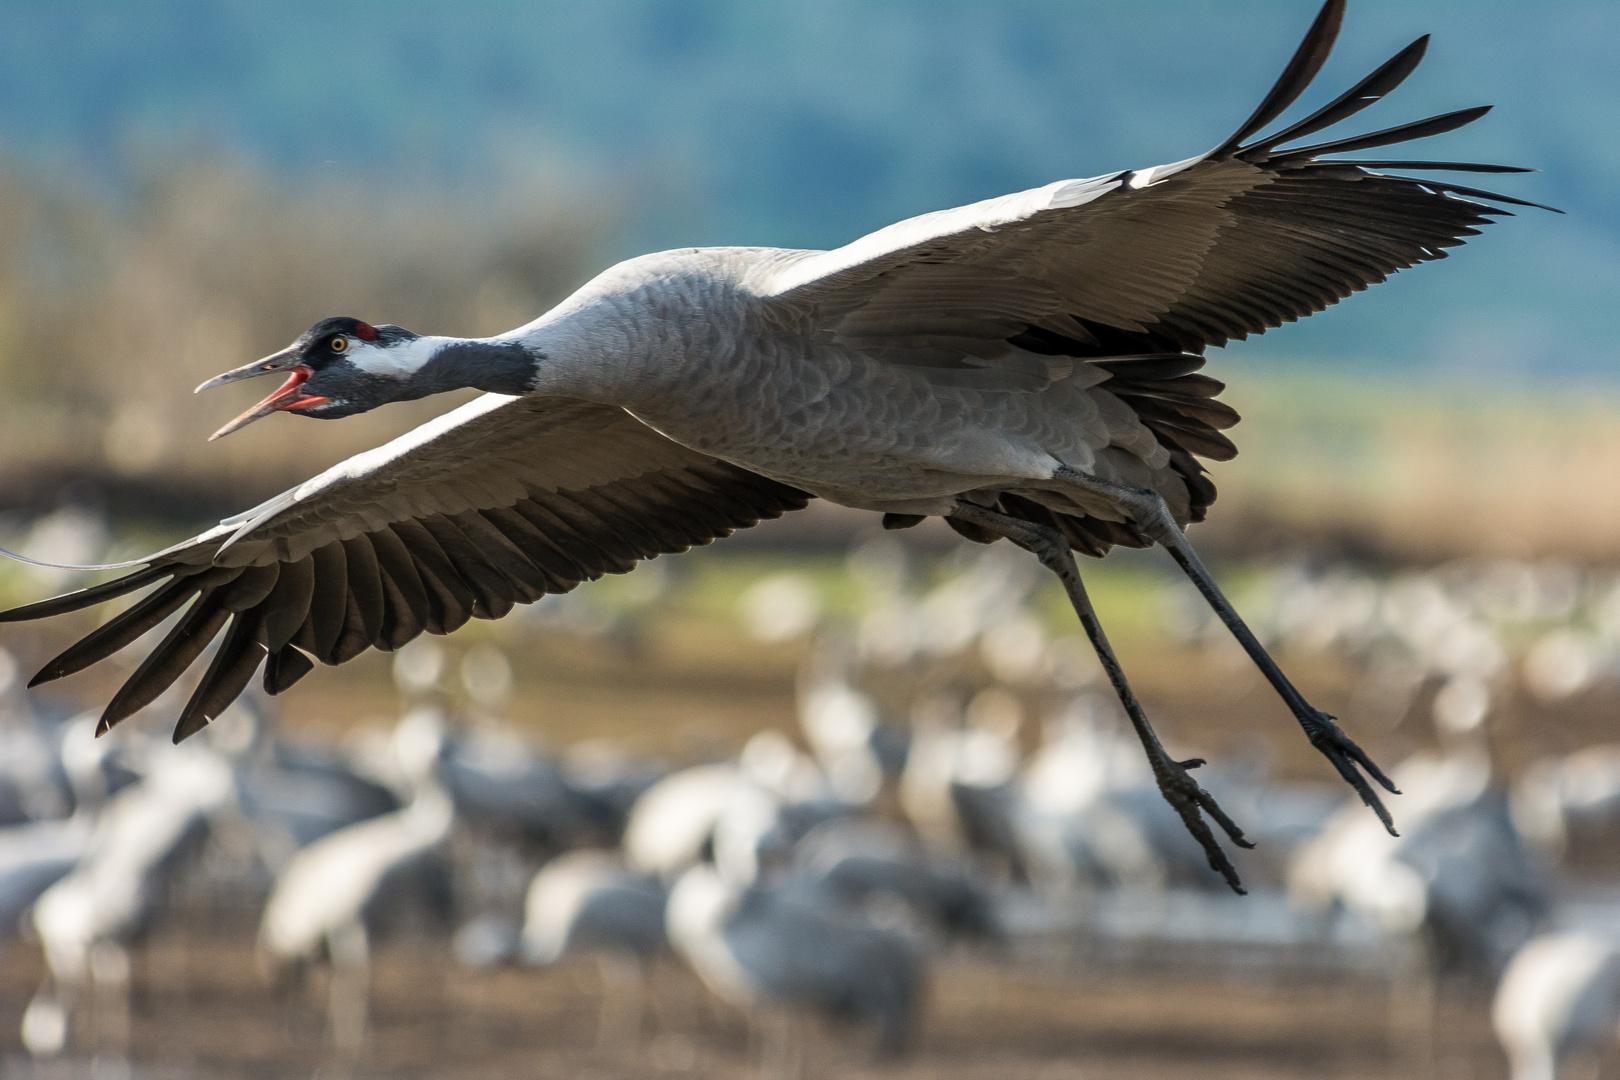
290, 396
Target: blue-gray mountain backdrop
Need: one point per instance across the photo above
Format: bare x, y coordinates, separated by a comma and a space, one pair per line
808, 123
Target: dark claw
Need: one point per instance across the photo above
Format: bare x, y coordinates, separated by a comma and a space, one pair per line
1345, 755
1187, 799
1213, 809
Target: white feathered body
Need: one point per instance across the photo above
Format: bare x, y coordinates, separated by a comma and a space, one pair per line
694, 344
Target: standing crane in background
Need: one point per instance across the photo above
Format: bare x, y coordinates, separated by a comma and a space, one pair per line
781, 952
1025, 367
1558, 1000
323, 895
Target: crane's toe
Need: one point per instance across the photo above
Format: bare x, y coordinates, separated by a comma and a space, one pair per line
1345, 755
1191, 802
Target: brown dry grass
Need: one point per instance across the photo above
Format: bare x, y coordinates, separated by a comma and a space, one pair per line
1422, 471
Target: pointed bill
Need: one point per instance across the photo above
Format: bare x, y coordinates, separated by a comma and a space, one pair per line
291, 395
276, 361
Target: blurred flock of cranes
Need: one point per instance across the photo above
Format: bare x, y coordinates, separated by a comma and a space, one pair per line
958, 784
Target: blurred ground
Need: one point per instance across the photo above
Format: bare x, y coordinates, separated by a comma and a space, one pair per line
202, 1011
683, 683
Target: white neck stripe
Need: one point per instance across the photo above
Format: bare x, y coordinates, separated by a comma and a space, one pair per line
398, 361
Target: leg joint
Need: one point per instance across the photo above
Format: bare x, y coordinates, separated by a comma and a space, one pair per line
1145, 506
1045, 541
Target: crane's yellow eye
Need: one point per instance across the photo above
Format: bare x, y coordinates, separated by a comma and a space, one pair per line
339, 344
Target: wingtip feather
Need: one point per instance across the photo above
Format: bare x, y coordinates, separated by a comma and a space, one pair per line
1480, 193
1417, 129
1383, 81
1302, 68
1436, 166
83, 598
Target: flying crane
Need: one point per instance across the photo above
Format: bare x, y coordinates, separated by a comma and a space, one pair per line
1026, 367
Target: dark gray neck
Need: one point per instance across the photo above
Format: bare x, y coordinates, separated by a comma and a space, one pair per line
498, 367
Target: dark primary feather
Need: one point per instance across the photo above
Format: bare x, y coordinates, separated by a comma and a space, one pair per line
1417, 129
1390, 75
117, 633
166, 663
1441, 166
83, 598
1478, 193
429, 572
227, 676
1301, 70
282, 669
1122, 268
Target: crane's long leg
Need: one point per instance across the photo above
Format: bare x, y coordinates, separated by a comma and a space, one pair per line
1147, 508
349, 994
1180, 790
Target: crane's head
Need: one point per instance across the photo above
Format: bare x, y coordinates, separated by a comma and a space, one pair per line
338, 367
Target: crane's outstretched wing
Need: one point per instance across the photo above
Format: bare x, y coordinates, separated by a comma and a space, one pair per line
495, 503
1166, 259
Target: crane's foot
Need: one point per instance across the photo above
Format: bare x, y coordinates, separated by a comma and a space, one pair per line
1191, 802
1180, 790
1150, 512
1345, 755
